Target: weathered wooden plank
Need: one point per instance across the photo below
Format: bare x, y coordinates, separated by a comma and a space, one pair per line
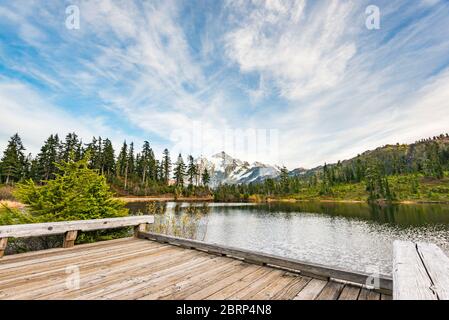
311, 290
386, 297
58, 251
3, 243
239, 273
309, 269
349, 293
69, 239
52, 228
178, 274
240, 284
192, 283
256, 286
52, 260
366, 294
128, 271
127, 287
410, 278
93, 281
29, 279
142, 227
331, 291
288, 285
437, 267
290, 291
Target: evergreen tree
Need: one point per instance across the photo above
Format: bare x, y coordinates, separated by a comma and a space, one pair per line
167, 166
179, 172
108, 158
122, 160
131, 160
191, 170
72, 147
284, 178
13, 166
77, 193
147, 164
46, 159
205, 178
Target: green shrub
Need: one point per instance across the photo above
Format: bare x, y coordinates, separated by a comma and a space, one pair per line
77, 193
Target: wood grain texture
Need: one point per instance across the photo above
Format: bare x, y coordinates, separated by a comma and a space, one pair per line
349, 293
69, 239
52, 228
437, 267
3, 243
331, 291
309, 269
366, 294
410, 278
311, 290
140, 269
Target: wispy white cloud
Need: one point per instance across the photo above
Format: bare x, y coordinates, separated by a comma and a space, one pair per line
301, 54
158, 70
25, 111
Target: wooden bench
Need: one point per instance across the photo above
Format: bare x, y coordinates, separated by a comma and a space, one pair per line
420, 272
70, 228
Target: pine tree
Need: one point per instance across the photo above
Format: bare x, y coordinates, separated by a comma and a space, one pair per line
205, 177
71, 148
77, 193
46, 159
122, 160
129, 164
284, 179
13, 161
167, 166
147, 163
179, 172
108, 158
191, 170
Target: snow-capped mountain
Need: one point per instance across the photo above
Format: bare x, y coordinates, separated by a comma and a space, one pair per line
225, 169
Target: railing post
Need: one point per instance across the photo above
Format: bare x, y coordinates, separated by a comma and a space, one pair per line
69, 239
3, 243
140, 228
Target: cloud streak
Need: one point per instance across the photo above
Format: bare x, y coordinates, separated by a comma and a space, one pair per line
153, 70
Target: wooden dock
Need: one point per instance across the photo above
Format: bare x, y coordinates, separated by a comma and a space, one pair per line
154, 266
140, 269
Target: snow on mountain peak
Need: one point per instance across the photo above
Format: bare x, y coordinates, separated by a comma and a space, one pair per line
225, 169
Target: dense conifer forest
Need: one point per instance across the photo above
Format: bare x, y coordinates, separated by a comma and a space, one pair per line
130, 172
417, 171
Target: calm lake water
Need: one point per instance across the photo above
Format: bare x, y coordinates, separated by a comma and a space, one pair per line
350, 236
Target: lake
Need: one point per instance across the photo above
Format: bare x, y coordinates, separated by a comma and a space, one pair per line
353, 236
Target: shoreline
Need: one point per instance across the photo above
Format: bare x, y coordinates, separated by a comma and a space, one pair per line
129, 199
379, 202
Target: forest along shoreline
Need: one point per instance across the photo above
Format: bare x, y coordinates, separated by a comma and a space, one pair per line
211, 199
164, 198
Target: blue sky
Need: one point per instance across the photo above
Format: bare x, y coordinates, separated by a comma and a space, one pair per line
159, 70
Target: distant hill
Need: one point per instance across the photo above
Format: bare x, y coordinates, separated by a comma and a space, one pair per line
421, 156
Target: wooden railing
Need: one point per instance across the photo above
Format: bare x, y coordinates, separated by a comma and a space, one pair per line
70, 229
381, 283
